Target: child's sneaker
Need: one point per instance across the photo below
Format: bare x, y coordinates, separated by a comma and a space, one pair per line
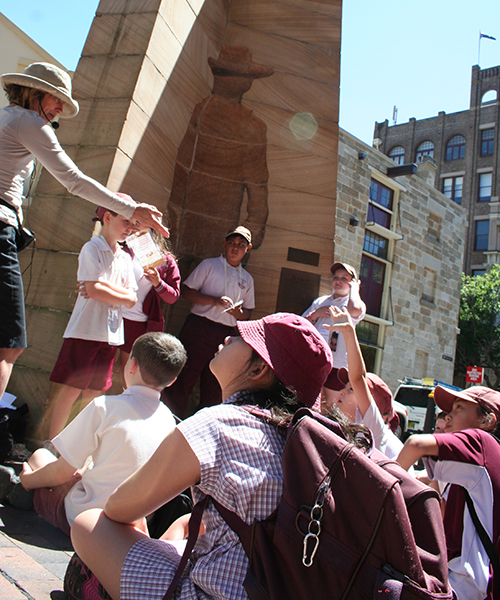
19, 453
12, 491
7, 481
81, 584
21, 498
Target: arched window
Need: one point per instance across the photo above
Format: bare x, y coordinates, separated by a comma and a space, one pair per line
425, 149
489, 97
398, 155
455, 148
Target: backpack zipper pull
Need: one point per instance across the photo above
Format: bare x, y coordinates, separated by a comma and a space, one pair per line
314, 527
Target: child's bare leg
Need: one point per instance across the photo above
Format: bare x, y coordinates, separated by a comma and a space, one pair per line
64, 398
40, 458
88, 396
103, 545
124, 358
8, 357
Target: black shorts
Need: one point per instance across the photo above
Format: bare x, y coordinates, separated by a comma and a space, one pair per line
13, 319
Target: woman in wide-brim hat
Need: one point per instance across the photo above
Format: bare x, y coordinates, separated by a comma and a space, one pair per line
37, 98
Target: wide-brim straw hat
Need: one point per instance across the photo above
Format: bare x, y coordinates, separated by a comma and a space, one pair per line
237, 61
46, 78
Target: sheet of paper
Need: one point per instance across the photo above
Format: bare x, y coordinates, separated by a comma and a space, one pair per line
6, 400
145, 249
239, 303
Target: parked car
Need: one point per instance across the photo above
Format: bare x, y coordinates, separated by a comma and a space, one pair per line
400, 409
417, 396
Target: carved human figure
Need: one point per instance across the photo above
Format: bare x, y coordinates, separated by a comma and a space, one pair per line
222, 156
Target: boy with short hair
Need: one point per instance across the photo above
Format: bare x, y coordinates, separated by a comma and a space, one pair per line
120, 433
222, 293
345, 294
467, 456
95, 328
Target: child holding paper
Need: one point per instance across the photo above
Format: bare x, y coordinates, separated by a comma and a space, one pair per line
154, 283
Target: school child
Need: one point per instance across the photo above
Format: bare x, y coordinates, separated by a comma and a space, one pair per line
345, 294
95, 328
467, 456
280, 362
153, 285
120, 433
363, 392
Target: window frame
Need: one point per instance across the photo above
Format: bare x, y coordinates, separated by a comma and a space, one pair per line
422, 152
398, 158
482, 236
480, 187
487, 144
454, 188
455, 148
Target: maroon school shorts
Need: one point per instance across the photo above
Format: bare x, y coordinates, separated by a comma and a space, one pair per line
84, 364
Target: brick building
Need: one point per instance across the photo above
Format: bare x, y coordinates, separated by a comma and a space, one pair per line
407, 240
465, 148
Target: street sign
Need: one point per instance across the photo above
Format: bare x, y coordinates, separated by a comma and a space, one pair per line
474, 375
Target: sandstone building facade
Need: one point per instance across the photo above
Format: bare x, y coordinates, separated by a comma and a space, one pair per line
406, 239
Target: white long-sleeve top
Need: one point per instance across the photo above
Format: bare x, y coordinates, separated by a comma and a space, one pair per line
24, 135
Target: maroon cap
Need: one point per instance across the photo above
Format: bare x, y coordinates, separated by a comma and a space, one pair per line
484, 396
100, 210
380, 392
348, 268
295, 351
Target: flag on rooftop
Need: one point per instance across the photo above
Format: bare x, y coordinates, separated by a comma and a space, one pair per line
489, 37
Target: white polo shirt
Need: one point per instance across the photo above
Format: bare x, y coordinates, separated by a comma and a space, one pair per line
216, 277
91, 319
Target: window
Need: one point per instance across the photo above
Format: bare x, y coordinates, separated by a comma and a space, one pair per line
487, 98
452, 188
367, 333
455, 148
478, 272
380, 205
425, 149
398, 155
372, 276
484, 187
482, 232
487, 141
375, 244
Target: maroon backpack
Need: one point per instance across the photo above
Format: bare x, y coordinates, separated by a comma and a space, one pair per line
348, 526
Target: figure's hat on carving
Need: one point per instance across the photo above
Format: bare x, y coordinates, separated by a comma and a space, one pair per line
236, 61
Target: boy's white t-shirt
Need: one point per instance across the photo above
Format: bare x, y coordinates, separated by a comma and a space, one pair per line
120, 433
90, 319
340, 352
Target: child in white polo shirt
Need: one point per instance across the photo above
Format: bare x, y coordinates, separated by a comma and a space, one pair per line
95, 329
120, 433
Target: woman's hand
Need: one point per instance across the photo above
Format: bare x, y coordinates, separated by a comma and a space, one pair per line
153, 277
150, 217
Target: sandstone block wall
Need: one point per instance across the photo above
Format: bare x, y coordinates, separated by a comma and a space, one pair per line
427, 264
143, 69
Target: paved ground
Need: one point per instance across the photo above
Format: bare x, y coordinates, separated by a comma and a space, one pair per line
33, 556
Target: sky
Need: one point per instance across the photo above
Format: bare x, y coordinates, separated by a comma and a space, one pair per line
416, 56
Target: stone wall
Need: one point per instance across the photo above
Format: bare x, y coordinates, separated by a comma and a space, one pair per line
143, 70
426, 269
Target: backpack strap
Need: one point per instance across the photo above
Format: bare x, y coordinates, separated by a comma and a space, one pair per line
485, 539
194, 530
